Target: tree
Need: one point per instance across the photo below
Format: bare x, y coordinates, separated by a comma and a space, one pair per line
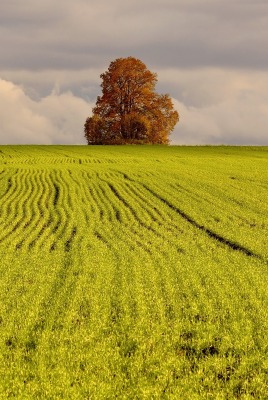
129, 110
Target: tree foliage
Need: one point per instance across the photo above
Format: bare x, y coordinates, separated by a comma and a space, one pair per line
129, 110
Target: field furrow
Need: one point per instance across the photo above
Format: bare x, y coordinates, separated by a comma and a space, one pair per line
133, 272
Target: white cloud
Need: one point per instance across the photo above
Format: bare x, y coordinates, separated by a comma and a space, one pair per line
56, 118
215, 105
218, 105
238, 121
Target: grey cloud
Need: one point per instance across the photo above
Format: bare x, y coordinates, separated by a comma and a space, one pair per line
81, 34
39, 84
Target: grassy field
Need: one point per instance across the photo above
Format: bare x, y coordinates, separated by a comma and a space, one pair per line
133, 272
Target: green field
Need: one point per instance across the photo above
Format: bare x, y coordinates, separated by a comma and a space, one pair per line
133, 272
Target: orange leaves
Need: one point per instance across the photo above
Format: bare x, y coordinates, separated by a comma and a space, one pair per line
129, 109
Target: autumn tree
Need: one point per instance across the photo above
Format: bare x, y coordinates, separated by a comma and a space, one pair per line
129, 110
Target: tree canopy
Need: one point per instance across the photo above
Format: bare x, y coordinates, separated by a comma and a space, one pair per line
129, 110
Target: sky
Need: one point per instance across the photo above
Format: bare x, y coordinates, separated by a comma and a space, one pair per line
210, 56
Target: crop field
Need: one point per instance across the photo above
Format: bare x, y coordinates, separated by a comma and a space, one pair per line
133, 272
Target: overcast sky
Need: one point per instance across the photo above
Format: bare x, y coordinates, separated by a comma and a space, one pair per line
210, 56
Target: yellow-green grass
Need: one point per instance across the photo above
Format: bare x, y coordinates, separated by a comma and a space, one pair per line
133, 272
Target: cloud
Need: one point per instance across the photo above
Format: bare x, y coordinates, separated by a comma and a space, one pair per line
56, 118
234, 123
215, 106
82, 34
209, 55
222, 107
37, 84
